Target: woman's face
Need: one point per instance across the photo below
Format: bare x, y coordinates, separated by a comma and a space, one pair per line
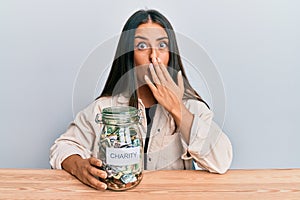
151, 41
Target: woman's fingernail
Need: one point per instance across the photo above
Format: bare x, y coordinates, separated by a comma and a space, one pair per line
104, 175
150, 65
99, 163
180, 73
158, 59
104, 186
146, 77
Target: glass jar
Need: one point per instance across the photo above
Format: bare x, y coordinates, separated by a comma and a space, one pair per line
121, 147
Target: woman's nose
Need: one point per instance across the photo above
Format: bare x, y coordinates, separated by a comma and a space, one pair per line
153, 53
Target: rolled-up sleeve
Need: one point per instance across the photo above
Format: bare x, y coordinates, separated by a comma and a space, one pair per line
209, 147
78, 139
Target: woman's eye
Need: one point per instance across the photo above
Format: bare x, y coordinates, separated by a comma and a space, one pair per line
163, 45
142, 45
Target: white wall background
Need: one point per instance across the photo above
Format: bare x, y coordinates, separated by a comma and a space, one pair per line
254, 44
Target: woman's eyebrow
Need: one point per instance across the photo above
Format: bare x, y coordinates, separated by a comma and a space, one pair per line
162, 38
141, 37
144, 38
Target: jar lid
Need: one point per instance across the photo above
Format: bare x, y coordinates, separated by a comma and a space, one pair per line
123, 110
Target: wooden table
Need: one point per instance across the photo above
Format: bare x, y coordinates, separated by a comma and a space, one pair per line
235, 184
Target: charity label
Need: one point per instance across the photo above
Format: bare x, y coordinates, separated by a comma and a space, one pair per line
123, 156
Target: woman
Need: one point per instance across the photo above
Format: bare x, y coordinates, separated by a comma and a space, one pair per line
144, 74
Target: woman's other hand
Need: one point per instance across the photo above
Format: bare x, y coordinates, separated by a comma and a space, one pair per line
86, 170
169, 95
165, 90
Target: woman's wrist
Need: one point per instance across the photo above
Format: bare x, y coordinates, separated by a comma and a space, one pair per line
183, 119
178, 113
69, 164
